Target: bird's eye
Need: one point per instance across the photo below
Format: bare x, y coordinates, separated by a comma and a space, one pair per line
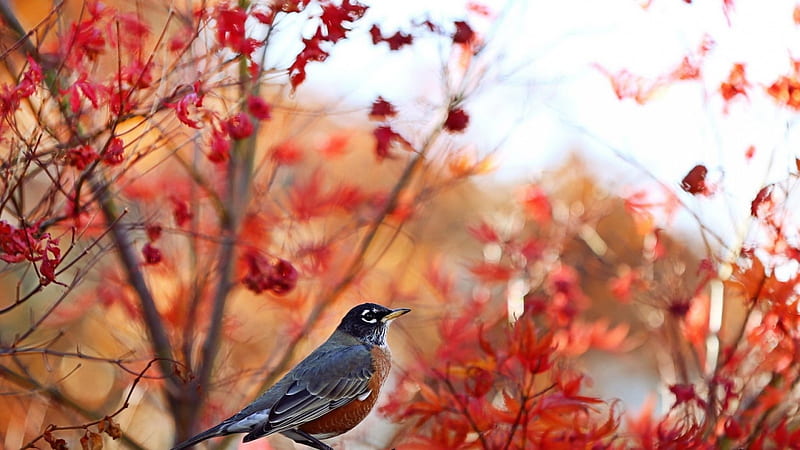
369, 316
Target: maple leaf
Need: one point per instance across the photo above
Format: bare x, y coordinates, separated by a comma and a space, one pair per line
463, 33
82, 156
381, 109
484, 233
335, 146
685, 393
220, 146
307, 200
786, 91
152, 255
337, 18
536, 204
287, 153
395, 41
186, 105
736, 84
311, 52
695, 181
239, 126
114, 152
762, 203
258, 107
456, 121
489, 272
384, 136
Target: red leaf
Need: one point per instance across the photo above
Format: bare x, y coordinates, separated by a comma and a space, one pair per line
695, 181
307, 200
395, 41
736, 83
489, 272
153, 232
287, 153
336, 146
186, 106
311, 52
381, 109
763, 202
220, 146
384, 136
151, 254
259, 108
283, 277
464, 33
484, 233
537, 204
457, 120
81, 156
114, 153
239, 126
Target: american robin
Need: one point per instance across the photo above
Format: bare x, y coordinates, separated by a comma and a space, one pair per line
326, 394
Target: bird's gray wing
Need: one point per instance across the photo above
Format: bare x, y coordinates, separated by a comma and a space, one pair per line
327, 379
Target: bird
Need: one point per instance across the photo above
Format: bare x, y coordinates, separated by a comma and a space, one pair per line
327, 393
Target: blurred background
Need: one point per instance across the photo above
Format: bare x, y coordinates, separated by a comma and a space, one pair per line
584, 118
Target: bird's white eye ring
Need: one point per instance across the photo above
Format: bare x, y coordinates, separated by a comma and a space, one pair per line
368, 316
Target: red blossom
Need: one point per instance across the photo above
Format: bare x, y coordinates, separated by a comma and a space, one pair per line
152, 255
457, 120
786, 91
259, 108
239, 126
381, 109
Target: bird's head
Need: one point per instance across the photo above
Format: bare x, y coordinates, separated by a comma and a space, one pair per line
368, 322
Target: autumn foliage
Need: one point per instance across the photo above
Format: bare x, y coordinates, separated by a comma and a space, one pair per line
181, 220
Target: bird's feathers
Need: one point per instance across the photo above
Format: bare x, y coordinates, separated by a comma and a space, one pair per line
334, 375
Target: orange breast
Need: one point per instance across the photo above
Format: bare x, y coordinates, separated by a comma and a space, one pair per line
343, 419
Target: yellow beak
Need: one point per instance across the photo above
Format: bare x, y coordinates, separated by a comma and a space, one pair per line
394, 314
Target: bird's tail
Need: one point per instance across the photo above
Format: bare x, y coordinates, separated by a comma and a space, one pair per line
209, 433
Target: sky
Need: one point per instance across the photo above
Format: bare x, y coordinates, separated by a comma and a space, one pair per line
544, 94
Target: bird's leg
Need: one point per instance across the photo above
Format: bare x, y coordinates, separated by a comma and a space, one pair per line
301, 437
